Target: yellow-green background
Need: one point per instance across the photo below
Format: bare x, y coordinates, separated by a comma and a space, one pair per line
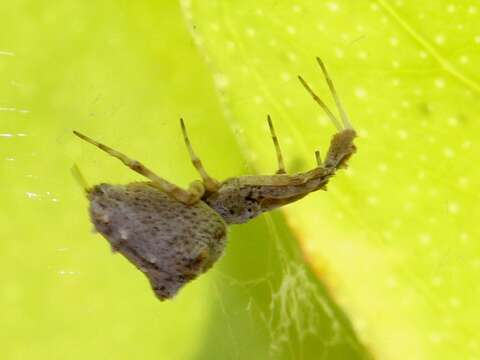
394, 240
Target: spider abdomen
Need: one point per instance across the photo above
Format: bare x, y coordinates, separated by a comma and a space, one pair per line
170, 242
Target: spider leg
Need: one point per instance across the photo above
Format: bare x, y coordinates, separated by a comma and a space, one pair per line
341, 110
78, 176
318, 158
281, 165
321, 103
182, 195
210, 183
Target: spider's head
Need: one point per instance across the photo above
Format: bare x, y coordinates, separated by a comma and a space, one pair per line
235, 204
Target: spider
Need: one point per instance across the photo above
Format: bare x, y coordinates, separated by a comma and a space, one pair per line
174, 234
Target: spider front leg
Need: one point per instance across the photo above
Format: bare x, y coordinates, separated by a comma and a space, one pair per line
341, 146
191, 196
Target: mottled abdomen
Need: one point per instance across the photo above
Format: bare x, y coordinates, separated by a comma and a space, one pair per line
170, 242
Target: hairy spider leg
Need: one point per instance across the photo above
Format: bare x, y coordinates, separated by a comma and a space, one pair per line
341, 145
187, 197
281, 165
321, 103
341, 110
210, 183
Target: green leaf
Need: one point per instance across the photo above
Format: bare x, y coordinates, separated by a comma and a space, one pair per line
395, 237
123, 73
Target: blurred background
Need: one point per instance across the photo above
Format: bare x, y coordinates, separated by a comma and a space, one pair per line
390, 250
